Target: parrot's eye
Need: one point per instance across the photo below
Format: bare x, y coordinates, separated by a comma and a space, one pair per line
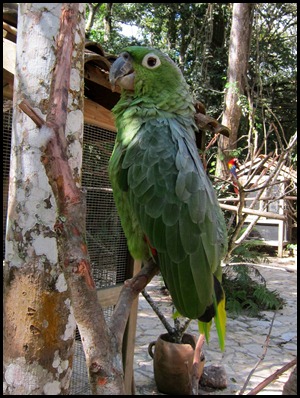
151, 61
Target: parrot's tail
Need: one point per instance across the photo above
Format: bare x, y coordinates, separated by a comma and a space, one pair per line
216, 311
211, 310
236, 189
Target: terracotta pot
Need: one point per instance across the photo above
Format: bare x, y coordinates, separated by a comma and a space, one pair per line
173, 363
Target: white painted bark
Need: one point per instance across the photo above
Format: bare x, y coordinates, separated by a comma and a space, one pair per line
39, 323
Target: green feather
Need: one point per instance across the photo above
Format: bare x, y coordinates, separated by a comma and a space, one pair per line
220, 322
204, 328
161, 189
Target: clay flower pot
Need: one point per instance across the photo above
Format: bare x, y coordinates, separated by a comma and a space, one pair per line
172, 363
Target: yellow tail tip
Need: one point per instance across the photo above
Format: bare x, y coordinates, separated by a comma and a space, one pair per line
220, 322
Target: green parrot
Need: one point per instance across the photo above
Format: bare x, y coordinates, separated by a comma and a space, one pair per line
167, 205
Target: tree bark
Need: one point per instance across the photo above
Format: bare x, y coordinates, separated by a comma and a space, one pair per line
93, 8
51, 265
39, 323
108, 21
240, 35
54, 149
290, 387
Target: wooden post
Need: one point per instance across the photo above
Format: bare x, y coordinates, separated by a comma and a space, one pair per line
129, 341
280, 238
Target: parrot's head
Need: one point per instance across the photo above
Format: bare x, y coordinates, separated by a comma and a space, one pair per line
150, 75
233, 163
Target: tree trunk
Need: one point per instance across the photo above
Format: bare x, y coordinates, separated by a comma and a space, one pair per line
93, 8
240, 35
39, 324
108, 21
171, 25
290, 386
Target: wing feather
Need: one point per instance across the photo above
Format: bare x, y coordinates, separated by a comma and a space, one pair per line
175, 205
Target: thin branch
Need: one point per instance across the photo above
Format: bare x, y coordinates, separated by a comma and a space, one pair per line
273, 377
163, 319
184, 326
25, 106
265, 185
249, 228
261, 163
93, 8
264, 141
262, 356
241, 216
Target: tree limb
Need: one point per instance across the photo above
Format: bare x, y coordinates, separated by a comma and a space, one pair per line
162, 318
25, 106
131, 289
273, 377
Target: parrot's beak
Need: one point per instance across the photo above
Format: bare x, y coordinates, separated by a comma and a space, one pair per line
122, 73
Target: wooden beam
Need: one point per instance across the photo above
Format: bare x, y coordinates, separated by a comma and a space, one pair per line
96, 75
232, 199
266, 214
10, 29
97, 115
129, 341
109, 295
9, 56
94, 113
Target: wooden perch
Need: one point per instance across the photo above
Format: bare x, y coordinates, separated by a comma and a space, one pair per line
205, 122
245, 210
131, 289
160, 315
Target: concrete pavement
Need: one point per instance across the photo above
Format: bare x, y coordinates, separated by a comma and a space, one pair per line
245, 336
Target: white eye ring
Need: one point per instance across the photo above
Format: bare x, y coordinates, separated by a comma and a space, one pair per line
151, 61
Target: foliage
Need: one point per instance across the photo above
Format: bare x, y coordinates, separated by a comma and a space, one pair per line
292, 249
244, 295
248, 251
273, 69
196, 36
